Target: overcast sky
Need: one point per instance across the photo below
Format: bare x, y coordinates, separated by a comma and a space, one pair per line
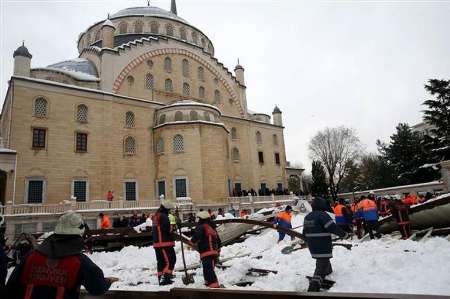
360, 64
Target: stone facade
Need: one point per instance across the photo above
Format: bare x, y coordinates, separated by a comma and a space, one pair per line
113, 122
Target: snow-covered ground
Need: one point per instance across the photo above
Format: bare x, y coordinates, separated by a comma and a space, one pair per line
381, 266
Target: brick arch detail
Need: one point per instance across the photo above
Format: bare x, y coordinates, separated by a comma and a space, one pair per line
144, 57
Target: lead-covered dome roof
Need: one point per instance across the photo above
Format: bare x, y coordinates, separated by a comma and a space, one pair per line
147, 11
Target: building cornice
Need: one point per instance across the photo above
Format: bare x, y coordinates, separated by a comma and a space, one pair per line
191, 122
252, 121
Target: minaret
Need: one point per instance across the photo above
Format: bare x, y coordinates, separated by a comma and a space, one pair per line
173, 7
277, 117
22, 61
239, 71
108, 30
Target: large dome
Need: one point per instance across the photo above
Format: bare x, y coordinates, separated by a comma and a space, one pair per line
147, 11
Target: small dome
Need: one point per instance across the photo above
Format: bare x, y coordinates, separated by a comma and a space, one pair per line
108, 22
147, 11
276, 110
22, 51
238, 67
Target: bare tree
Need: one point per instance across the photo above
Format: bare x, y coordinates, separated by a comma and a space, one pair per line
335, 147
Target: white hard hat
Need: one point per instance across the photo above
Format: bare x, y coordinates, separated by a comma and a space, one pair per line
168, 204
203, 215
70, 223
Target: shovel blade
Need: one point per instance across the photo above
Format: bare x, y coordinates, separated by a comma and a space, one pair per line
188, 279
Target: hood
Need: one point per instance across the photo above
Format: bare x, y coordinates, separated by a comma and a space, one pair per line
321, 204
59, 246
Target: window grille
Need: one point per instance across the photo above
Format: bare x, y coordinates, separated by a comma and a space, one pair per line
178, 116
258, 138
161, 188
168, 85
138, 27
201, 92
201, 73
129, 119
82, 113
169, 30
80, 190
160, 146
130, 191
40, 107
185, 67
233, 133
186, 90
168, 64
162, 119
149, 81
35, 191
178, 144
39, 138
235, 154
81, 142
193, 115
130, 146
207, 116
180, 188
123, 28
183, 33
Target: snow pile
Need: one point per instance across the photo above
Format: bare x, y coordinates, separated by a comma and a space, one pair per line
380, 266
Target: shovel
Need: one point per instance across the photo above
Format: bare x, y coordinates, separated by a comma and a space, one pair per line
187, 278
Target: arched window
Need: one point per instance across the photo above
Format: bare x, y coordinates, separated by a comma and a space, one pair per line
150, 63
130, 146
275, 139
138, 27
154, 28
206, 116
169, 30
235, 154
160, 145
82, 113
203, 43
258, 137
168, 85
123, 27
194, 37
88, 39
186, 89
210, 48
183, 33
168, 64
178, 116
130, 80
217, 96
234, 133
201, 73
97, 35
178, 144
162, 119
40, 107
185, 67
129, 119
149, 81
193, 115
201, 92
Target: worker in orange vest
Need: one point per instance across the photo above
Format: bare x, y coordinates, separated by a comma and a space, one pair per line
283, 219
370, 214
410, 200
105, 223
342, 216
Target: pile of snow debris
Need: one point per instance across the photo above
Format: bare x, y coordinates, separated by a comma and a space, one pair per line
379, 266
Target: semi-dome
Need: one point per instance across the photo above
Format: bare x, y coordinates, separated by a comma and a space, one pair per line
147, 11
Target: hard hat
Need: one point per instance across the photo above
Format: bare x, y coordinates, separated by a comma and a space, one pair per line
168, 204
203, 215
70, 223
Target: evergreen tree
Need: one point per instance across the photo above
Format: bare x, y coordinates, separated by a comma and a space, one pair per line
437, 114
319, 180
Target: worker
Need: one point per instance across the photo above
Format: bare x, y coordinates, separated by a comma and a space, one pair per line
163, 243
369, 211
208, 243
410, 199
317, 229
400, 212
283, 219
357, 217
105, 223
57, 268
342, 216
385, 204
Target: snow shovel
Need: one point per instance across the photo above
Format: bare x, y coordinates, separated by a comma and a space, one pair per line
187, 278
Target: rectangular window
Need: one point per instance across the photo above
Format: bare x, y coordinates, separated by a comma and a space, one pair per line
277, 158
130, 191
279, 187
237, 187
180, 188
161, 188
39, 138
263, 188
261, 157
80, 190
35, 191
81, 145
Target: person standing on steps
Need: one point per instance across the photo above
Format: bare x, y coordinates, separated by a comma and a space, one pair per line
317, 228
164, 243
208, 243
57, 268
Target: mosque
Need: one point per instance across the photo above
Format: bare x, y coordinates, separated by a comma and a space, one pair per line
145, 110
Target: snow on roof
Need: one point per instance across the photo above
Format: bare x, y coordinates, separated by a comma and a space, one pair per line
75, 74
147, 11
7, 151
